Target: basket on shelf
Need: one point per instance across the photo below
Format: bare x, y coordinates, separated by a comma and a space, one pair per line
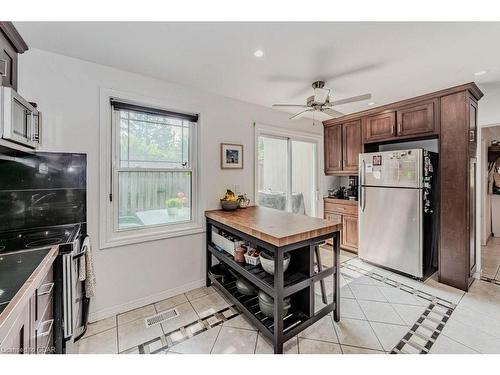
252, 260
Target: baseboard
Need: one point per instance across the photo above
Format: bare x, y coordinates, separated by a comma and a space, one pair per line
118, 309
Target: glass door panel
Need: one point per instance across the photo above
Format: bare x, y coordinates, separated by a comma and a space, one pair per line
304, 186
272, 172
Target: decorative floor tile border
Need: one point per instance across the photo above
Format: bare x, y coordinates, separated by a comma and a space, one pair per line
161, 344
490, 280
428, 326
418, 340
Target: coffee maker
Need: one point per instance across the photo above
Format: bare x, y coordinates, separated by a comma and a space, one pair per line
352, 190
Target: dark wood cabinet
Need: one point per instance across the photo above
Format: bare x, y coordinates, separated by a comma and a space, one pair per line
349, 233
333, 149
342, 147
345, 212
450, 116
379, 127
417, 119
11, 44
351, 145
31, 330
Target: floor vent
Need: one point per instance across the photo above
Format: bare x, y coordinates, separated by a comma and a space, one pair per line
161, 317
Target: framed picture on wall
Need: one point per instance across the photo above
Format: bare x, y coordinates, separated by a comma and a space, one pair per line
231, 156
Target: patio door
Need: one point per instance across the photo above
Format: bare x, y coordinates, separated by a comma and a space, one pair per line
287, 173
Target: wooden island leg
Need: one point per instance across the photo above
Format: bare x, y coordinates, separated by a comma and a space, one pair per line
336, 276
278, 301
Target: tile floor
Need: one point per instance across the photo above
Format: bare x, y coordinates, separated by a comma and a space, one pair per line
490, 259
374, 319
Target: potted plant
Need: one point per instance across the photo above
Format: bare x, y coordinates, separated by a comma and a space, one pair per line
174, 204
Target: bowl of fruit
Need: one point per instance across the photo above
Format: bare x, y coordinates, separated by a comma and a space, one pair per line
229, 201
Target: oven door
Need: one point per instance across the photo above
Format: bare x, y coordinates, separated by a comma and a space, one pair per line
19, 118
75, 304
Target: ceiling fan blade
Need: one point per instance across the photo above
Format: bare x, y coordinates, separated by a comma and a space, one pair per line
300, 114
352, 99
331, 112
290, 105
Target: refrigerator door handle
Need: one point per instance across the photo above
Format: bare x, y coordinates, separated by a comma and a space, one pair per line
361, 195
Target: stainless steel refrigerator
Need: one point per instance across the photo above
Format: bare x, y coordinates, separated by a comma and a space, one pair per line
398, 206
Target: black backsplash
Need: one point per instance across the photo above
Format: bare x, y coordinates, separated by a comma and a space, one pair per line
42, 189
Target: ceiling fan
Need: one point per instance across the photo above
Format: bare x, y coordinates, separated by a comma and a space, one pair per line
320, 102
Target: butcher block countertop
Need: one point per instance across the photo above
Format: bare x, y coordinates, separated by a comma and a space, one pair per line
276, 227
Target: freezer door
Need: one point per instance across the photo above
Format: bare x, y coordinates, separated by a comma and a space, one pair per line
391, 168
390, 228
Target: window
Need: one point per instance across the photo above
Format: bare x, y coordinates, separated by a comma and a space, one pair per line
152, 189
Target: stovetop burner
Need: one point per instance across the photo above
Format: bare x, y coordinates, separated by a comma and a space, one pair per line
44, 242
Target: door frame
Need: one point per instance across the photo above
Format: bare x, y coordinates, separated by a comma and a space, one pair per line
273, 131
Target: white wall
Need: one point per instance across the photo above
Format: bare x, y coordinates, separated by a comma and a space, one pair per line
67, 92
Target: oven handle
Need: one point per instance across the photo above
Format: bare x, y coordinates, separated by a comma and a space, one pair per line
80, 254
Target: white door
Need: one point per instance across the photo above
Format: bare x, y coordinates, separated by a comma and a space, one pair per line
287, 174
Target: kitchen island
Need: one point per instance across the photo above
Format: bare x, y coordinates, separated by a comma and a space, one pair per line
282, 235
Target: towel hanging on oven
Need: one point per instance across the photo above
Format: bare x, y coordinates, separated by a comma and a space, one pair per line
86, 270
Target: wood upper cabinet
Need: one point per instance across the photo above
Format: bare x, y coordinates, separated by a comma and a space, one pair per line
379, 127
11, 44
417, 119
342, 147
333, 149
351, 145
349, 232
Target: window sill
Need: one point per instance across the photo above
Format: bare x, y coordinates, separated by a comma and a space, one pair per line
133, 237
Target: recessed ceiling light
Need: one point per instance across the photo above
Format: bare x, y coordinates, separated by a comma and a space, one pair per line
480, 73
371, 103
258, 53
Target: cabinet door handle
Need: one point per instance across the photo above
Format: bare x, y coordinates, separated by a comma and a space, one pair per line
472, 135
44, 328
394, 129
399, 128
45, 289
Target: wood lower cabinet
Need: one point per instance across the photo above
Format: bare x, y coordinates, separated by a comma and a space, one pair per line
417, 119
349, 238
345, 212
32, 330
379, 127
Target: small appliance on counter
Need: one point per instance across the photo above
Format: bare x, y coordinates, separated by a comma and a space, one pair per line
338, 193
352, 190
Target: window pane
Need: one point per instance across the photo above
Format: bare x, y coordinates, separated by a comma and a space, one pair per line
148, 141
272, 172
153, 198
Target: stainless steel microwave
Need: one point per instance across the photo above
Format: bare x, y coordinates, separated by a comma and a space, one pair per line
20, 120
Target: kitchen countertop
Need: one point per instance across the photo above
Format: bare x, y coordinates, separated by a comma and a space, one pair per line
37, 263
273, 226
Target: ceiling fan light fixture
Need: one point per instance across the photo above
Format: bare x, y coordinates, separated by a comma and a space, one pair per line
321, 95
258, 53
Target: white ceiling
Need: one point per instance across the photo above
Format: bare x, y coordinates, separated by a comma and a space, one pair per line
393, 61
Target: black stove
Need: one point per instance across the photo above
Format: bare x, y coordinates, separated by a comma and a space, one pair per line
36, 238
22, 251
